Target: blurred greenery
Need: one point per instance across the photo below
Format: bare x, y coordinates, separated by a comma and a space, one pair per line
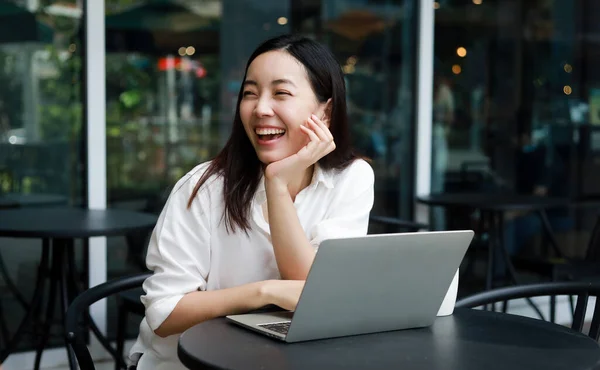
10, 91
60, 97
141, 156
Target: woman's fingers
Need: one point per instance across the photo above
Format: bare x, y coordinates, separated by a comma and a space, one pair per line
321, 141
312, 121
324, 133
311, 134
323, 127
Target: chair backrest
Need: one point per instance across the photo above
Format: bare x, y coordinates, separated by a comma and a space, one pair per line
583, 290
82, 302
393, 225
593, 249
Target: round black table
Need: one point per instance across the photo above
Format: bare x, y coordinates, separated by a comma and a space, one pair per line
14, 200
70, 223
58, 228
468, 340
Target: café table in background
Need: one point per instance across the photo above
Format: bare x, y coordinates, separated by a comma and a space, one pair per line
58, 228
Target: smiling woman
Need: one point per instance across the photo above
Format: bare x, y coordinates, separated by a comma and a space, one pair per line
287, 79
241, 231
276, 106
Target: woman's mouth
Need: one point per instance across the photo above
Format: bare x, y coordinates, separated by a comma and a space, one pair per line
268, 135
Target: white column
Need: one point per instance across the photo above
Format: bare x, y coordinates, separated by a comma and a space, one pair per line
95, 120
424, 127
424, 105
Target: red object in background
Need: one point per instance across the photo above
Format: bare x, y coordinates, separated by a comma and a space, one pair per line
182, 64
167, 63
200, 72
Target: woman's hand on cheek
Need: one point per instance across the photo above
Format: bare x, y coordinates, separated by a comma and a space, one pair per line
319, 145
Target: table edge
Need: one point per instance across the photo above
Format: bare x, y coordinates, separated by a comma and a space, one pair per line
193, 362
53, 234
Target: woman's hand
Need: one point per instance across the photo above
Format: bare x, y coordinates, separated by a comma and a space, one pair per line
283, 293
320, 144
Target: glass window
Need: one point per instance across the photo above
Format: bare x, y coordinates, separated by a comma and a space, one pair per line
41, 141
375, 44
515, 110
173, 75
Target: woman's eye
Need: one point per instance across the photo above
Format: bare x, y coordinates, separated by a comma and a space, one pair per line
247, 93
282, 93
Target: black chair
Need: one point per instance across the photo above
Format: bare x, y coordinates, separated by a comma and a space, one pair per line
562, 268
4, 334
127, 302
75, 336
583, 290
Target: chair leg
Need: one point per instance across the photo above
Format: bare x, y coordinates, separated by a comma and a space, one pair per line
552, 308
572, 304
4, 334
554, 277
121, 331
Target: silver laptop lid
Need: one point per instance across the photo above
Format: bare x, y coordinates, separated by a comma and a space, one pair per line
377, 283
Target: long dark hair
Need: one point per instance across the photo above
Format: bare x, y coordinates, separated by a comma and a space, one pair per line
238, 163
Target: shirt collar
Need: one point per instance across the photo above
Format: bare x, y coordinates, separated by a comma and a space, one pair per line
320, 176
323, 177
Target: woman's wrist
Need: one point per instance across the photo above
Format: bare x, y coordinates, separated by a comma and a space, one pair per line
276, 187
265, 292
268, 292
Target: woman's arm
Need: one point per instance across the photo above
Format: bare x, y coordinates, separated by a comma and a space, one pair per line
179, 255
292, 249
348, 216
200, 306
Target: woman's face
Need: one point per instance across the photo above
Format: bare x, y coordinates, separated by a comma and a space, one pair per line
277, 99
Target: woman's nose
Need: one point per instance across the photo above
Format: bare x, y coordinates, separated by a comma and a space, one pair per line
263, 108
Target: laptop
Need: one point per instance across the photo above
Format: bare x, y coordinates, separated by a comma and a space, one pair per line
368, 284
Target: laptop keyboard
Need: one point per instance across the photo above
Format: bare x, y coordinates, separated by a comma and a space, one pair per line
278, 327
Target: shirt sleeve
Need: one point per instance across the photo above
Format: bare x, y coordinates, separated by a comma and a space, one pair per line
348, 214
178, 252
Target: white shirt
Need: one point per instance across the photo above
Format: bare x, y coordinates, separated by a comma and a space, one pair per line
191, 250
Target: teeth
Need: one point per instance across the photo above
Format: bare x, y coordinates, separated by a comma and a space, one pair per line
269, 131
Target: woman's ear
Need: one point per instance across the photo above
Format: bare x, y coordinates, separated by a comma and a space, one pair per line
327, 109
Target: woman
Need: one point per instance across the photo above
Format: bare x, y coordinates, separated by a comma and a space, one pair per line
241, 231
